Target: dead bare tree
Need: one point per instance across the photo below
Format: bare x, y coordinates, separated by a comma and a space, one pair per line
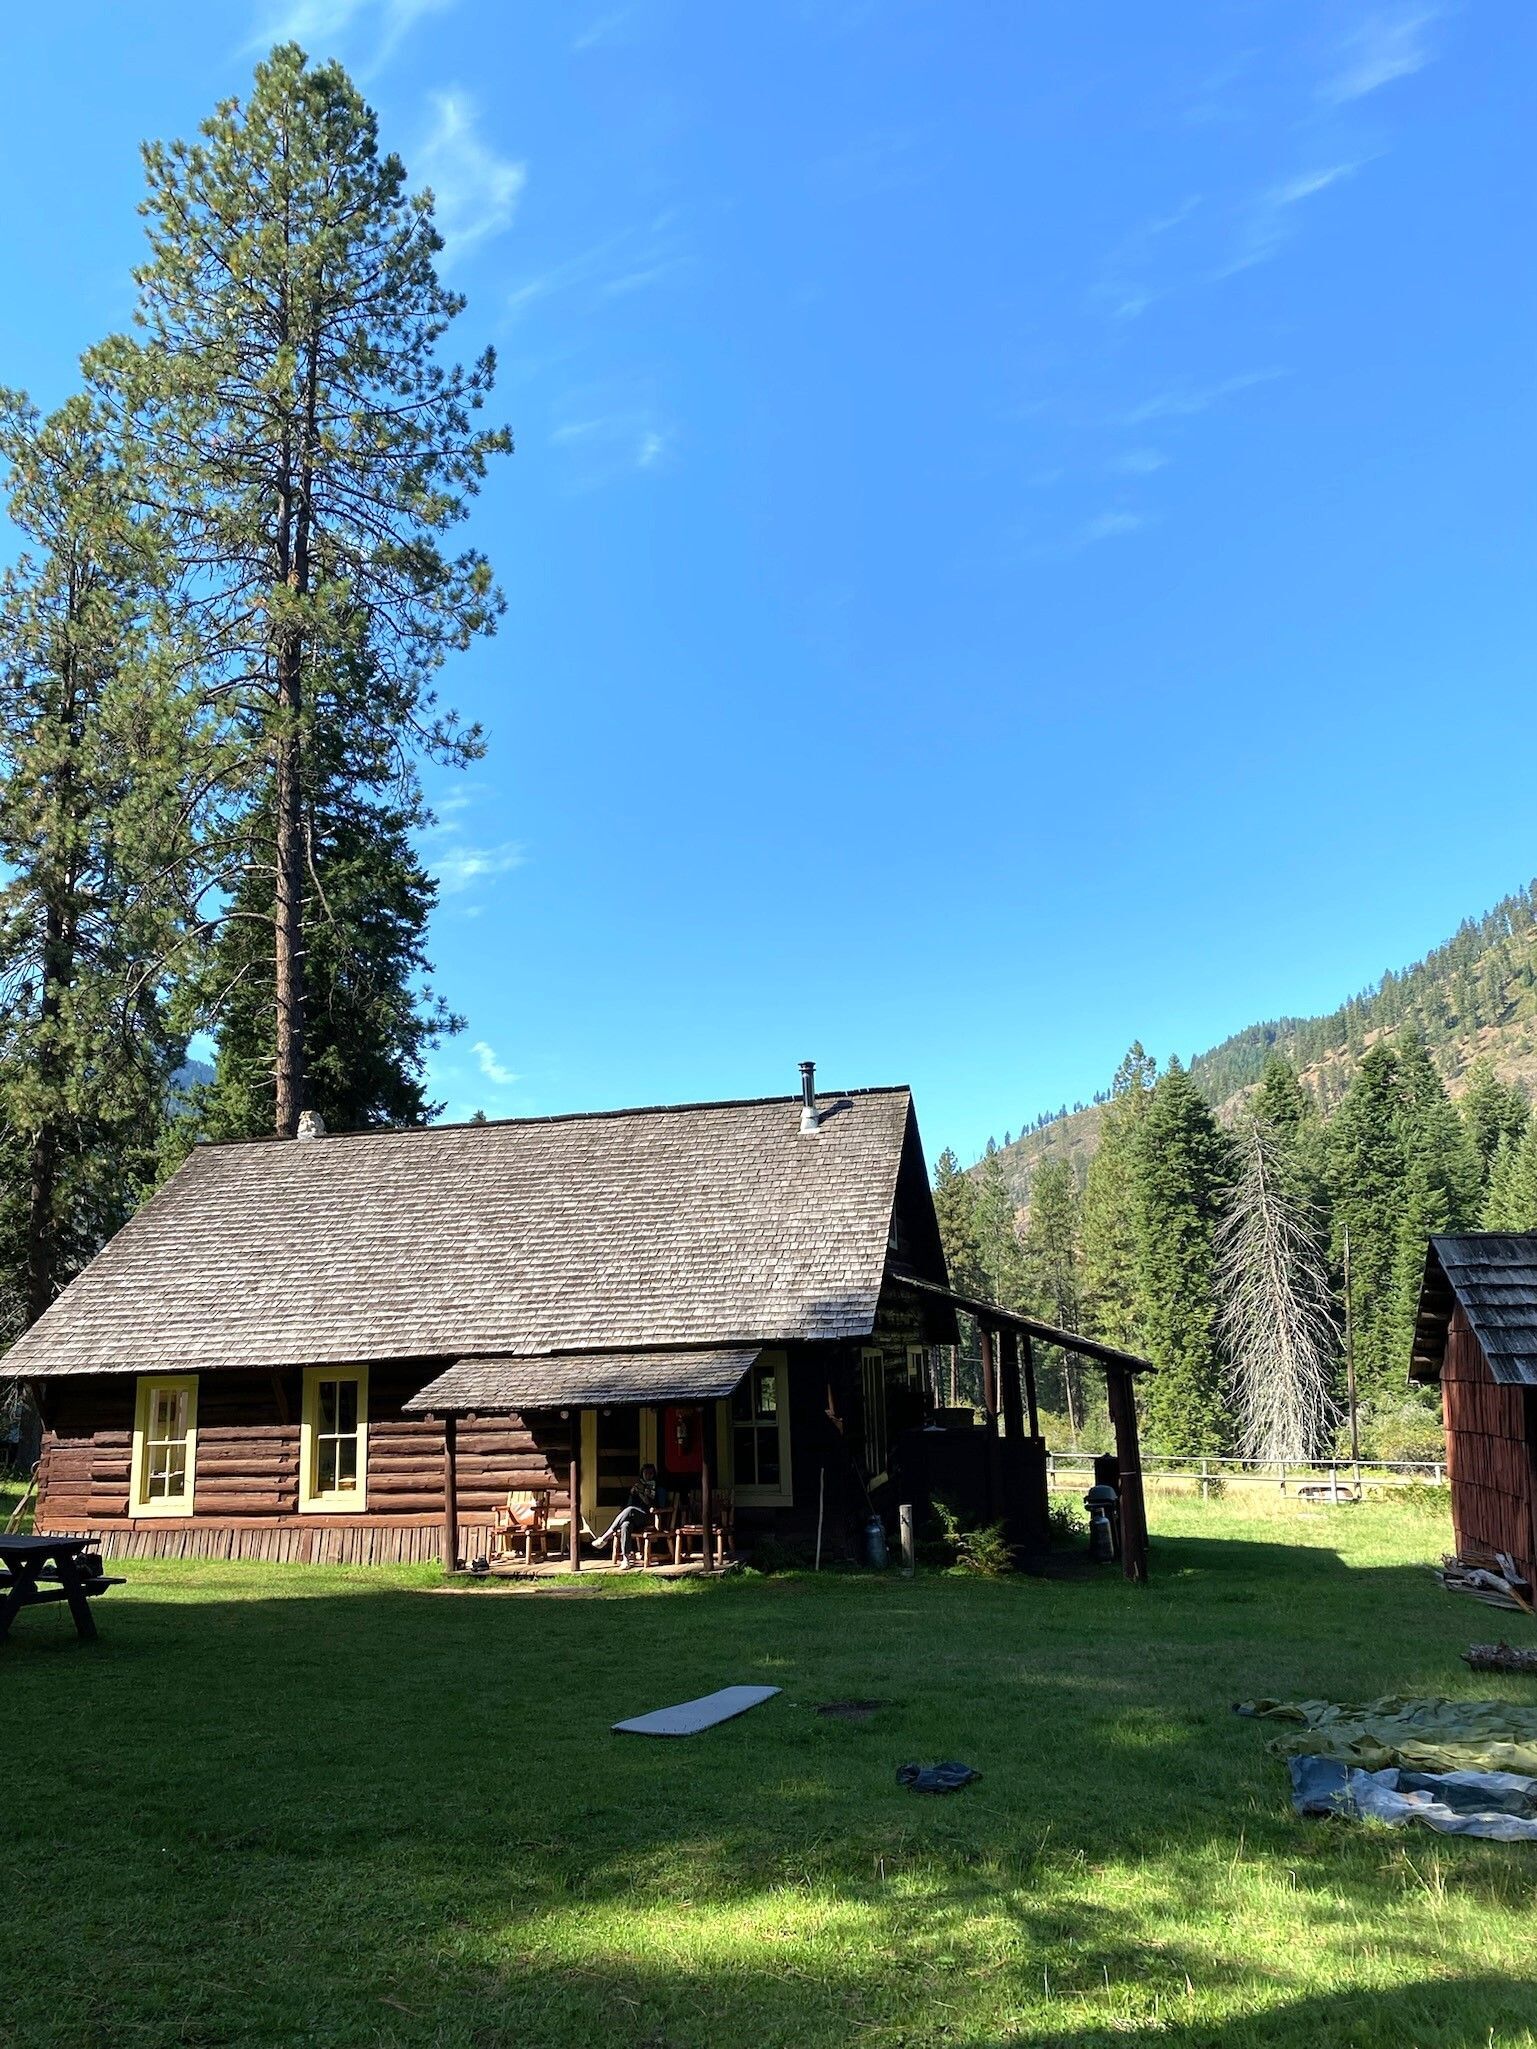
1276, 1311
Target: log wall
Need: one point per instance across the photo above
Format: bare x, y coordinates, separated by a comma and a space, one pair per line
246, 1478
1491, 1449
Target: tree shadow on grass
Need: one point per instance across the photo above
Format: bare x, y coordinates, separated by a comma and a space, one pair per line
321, 1787
1473, 2013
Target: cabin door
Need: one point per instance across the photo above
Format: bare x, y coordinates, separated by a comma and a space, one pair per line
616, 1443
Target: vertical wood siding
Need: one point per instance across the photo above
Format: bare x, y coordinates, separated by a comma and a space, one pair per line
1489, 1454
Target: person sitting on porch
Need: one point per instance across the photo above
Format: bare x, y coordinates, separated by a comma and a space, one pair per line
645, 1499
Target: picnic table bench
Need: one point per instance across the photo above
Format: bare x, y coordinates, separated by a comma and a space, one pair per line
36, 1570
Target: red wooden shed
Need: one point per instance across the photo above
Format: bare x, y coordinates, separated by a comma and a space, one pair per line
1476, 1334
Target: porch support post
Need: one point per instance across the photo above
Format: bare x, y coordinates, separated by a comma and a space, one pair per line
1027, 1361
988, 1340
1013, 1406
574, 1482
1123, 1414
1013, 1434
706, 1480
450, 1494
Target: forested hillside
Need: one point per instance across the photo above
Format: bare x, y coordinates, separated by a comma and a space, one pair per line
1233, 1219
1475, 995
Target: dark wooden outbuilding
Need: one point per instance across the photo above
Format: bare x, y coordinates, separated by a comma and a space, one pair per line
1476, 1333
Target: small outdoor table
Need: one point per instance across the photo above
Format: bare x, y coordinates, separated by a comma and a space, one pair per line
35, 1570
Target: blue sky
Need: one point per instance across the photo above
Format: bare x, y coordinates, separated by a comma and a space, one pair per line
1022, 528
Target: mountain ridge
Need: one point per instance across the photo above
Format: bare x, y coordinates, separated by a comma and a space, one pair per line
1473, 996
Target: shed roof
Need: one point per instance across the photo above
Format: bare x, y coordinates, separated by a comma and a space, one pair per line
706, 1223
556, 1380
1492, 1277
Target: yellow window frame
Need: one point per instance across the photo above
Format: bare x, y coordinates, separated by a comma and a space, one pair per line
335, 1501
746, 1493
140, 1501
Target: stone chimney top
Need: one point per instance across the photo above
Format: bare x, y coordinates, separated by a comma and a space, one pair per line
311, 1125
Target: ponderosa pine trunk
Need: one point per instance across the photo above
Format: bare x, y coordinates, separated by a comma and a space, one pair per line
42, 1258
288, 906
288, 910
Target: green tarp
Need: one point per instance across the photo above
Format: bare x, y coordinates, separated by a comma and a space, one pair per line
1422, 1735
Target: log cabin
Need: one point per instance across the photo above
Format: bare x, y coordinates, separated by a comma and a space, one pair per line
1476, 1334
351, 1347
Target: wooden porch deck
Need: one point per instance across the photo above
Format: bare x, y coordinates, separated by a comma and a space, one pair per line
558, 1568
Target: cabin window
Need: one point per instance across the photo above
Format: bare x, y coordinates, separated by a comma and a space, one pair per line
760, 1434
164, 1446
917, 1363
333, 1439
872, 1364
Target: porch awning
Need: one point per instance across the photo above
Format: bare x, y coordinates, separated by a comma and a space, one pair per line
559, 1380
1031, 1326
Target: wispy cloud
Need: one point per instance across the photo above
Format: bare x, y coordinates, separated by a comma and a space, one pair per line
1126, 286
1270, 220
1110, 526
491, 1067
1115, 523
1386, 47
612, 269
1138, 462
1184, 401
456, 868
603, 446
476, 191
606, 28
325, 25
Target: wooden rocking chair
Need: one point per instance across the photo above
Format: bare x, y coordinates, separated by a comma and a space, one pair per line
716, 1543
522, 1523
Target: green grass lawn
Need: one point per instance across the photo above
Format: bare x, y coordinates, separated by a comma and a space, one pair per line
286, 1805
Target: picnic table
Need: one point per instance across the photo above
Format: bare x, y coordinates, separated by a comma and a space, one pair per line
36, 1570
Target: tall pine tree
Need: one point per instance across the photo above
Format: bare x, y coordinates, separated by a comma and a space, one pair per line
955, 1205
1184, 1168
1113, 1305
95, 755
1492, 1110
315, 449
999, 1254
1053, 1274
1366, 1183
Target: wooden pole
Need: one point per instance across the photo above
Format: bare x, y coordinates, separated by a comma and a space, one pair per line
1123, 1414
905, 1523
1027, 1359
1011, 1393
990, 1414
706, 1478
1011, 1401
450, 1494
575, 1484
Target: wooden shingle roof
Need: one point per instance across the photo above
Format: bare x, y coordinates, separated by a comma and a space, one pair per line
712, 1223
1492, 1277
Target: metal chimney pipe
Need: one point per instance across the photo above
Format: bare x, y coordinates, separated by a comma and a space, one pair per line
810, 1117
